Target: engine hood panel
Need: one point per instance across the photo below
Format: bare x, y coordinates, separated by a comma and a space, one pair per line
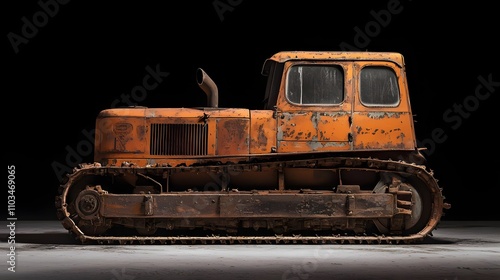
175, 112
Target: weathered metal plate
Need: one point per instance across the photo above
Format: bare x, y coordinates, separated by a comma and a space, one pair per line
307, 206
250, 206
166, 206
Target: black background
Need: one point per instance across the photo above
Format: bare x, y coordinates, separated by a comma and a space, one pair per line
90, 53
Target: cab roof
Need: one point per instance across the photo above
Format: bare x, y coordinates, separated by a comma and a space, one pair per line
285, 56
331, 55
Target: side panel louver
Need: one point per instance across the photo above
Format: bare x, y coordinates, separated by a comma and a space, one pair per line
179, 139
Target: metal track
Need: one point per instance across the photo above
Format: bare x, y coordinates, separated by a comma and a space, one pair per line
345, 162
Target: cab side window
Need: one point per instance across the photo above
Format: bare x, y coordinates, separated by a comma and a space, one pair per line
315, 85
379, 87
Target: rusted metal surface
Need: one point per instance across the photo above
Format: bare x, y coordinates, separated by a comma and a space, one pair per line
277, 239
313, 131
337, 56
383, 131
232, 136
262, 132
124, 137
235, 205
321, 205
340, 208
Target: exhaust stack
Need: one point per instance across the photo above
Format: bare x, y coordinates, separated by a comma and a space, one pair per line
209, 87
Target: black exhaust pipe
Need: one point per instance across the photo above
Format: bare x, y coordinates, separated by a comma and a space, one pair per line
209, 87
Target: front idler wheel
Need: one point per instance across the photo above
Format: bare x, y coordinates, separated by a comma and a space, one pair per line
87, 204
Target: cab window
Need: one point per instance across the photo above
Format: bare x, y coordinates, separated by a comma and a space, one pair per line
378, 87
315, 84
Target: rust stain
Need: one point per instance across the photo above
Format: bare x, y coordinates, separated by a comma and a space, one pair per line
235, 128
262, 139
142, 131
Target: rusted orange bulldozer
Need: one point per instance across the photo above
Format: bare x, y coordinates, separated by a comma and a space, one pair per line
331, 157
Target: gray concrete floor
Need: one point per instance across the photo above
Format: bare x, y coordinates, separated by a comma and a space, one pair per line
458, 250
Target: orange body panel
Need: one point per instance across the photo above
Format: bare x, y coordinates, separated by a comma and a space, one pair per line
263, 132
133, 135
313, 131
386, 131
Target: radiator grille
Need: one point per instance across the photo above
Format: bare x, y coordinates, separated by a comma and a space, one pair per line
179, 139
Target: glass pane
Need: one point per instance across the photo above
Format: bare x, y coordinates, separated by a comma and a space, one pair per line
379, 87
315, 85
